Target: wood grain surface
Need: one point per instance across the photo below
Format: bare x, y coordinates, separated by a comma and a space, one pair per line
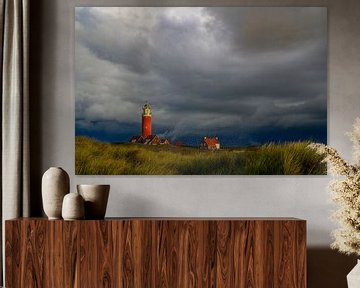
150, 252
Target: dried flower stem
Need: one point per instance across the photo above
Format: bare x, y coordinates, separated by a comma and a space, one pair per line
345, 191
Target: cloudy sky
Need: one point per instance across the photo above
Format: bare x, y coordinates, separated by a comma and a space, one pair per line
247, 75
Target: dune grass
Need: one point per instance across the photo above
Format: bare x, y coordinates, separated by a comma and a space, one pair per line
97, 158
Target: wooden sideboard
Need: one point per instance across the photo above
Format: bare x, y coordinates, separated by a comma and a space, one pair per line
156, 252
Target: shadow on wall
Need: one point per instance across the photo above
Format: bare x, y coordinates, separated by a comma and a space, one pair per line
328, 268
139, 207
35, 50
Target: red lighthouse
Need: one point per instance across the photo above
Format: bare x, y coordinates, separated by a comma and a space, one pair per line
146, 121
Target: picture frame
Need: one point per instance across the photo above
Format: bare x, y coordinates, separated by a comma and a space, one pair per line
200, 90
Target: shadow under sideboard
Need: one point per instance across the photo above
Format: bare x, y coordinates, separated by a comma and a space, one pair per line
328, 268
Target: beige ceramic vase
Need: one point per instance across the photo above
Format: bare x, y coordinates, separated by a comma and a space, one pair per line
353, 278
73, 207
55, 185
96, 198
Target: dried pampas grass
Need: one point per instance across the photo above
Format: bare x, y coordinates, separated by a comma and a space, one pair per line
345, 191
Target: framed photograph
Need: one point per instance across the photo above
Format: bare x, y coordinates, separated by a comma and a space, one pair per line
200, 90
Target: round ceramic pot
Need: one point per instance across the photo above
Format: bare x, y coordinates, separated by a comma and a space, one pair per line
73, 207
96, 198
55, 185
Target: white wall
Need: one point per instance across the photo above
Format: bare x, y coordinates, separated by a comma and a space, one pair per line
298, 196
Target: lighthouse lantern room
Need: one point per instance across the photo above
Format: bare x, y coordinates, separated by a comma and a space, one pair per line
146, 121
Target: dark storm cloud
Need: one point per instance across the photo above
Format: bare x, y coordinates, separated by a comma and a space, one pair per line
259, 29
202, 69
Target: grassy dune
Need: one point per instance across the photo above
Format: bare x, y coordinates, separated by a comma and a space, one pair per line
96, 158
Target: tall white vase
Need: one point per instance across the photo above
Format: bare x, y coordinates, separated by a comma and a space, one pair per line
55, 185
353, 278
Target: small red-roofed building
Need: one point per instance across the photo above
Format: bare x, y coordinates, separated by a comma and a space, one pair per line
210, 143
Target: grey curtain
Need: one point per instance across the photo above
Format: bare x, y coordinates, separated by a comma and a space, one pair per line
15, 172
